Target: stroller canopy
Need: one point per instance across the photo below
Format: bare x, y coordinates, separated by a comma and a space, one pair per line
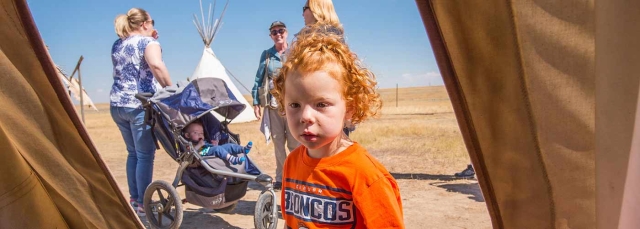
184, 102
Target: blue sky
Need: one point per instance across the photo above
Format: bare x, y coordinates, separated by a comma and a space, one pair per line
388, 35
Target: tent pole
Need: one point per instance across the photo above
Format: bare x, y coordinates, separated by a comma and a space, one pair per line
81, 93
81, 90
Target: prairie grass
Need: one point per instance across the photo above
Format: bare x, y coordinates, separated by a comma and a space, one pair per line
419, 135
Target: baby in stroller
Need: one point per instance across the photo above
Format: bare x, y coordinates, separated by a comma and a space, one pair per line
214, 168
194, 133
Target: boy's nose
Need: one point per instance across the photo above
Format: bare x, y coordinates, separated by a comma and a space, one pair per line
307, 115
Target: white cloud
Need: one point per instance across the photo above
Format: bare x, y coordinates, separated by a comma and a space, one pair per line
100, 90
422, 79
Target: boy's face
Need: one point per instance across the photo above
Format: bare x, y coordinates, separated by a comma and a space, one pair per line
315, 109
194, 133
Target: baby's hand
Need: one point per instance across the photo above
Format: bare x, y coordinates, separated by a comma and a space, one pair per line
214, 142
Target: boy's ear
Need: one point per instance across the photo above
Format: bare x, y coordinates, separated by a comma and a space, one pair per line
350, 111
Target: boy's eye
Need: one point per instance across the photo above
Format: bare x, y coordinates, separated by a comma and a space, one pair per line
322, 105
294, 105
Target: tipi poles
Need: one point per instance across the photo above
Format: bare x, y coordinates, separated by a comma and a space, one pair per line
209, 23
206, 27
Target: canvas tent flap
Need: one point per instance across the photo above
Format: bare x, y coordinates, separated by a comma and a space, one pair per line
52, 175
21, 187
521, 78
617, 84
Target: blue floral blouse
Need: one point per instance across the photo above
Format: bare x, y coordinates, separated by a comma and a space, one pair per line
131, 73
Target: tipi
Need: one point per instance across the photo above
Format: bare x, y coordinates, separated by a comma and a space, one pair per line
210, 66
74, 88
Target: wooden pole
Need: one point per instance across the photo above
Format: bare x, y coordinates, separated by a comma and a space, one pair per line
75, 69
81, 94
80, 84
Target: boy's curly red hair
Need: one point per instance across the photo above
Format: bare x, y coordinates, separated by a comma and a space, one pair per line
319, 49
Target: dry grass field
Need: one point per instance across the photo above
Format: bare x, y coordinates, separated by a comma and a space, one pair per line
415, 136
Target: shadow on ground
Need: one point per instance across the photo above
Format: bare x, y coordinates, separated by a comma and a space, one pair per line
194, 218
471, 189
248, 208
422, 176
447, 182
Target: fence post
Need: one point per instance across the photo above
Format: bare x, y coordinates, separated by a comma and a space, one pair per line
396, 95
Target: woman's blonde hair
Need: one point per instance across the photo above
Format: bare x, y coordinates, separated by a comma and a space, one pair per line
125, 24
324, 12
319, 50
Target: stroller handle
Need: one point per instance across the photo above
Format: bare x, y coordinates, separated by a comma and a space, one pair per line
184, 141
144, 97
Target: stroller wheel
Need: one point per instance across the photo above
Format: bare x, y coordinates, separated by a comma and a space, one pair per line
163, 205
264, 215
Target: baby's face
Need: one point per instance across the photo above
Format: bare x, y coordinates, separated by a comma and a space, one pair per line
195, 133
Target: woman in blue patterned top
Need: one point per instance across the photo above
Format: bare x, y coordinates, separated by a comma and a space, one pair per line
137, 67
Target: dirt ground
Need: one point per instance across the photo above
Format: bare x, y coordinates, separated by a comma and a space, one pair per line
432, 197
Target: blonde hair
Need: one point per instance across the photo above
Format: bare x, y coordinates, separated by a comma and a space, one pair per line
317, 50
125, 24
324, 12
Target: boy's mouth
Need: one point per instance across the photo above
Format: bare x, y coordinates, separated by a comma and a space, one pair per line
308, 136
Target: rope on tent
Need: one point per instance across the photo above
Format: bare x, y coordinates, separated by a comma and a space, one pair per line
234, 77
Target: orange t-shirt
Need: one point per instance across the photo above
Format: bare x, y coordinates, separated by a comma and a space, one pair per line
348, 190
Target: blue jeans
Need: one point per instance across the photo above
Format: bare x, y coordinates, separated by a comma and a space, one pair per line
140, 147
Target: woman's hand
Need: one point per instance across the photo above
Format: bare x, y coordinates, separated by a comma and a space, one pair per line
256, 111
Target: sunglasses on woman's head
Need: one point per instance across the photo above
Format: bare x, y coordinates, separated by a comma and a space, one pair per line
277, 31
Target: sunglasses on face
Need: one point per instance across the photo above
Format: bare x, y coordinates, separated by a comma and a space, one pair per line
304, 8
153, 22
277, 31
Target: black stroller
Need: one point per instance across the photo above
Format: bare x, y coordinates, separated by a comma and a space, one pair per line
209, 181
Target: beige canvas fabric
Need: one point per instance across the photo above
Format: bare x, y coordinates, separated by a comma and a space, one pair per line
552, 129
617, 83
521, 76
52, 175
